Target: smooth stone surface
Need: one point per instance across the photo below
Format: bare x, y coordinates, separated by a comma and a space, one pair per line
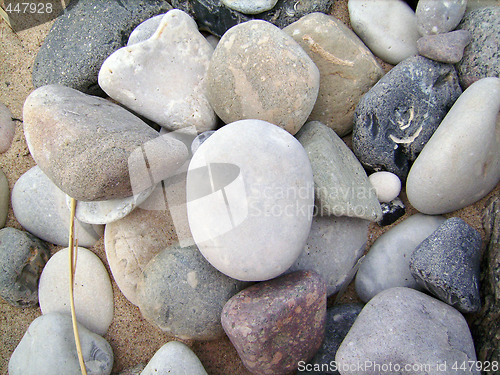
171, 64
386, 184
402, 326
276, 201
83, 143
388, 28
391, 212
347, 68
40, 207
131, 242
186, 301
447, 264
251, 73
22, 258
174, 358
48, 348
461, 162
481, 54
7, 128
439, 17
250, 6
286, 12
79, 42
339, 320
341, 185
4, 199
387, 263
200, 139
396, 118
446, 48
334, 246
145, 30
93, 294
276, 324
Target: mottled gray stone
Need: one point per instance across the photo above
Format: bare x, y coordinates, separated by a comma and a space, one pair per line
174, 358
347, 68
438, 17
259, 72
481, 54
187, 300
446, 48
395, 119
48, 348
7, 128
40, 207
22, 258
276, 324
4, 199
447, 264
402, 326
391, 212
341, 185
387, 263
79, 41
83, 143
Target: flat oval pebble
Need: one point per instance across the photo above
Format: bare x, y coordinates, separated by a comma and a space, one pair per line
481, 54
387, 185
176, 358
333, 247
40, 207
387, 263
4, 199
438, 17
341, 185
92, 289
276, 324
404, 327
259, 72
395, 119
447, 264
250, 177
186, 301
250, 6
171, 64
7, 128
461, 162
446, 48
48, 348
388, 28
83, 143
347, 68
22, 258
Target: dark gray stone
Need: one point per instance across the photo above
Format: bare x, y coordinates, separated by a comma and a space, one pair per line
391, 212
446, 48
481, 56
22, 258
182, 294
286, 12
395, 119
447, 264
84, 36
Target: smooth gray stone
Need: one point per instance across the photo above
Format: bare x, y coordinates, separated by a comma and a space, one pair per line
200, 139
439, 17
48, 348
4, 199
145, 30
40, 207
186, 301
135, 370
341, 185
447, 264
250, 6
174, 358
7, 128
387, 263
333, 247
402, 326
447, 48
22, 258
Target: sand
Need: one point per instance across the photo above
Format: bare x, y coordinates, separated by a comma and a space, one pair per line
132, 338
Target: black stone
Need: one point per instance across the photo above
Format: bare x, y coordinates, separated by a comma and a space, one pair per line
22, 258
391, 212
84, 36
394, 120
339, 320
447, 264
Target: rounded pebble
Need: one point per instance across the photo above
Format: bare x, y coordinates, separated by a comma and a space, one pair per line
7, 128
174, 358
387, 185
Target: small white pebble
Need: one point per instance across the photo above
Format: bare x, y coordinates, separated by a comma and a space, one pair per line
386, 184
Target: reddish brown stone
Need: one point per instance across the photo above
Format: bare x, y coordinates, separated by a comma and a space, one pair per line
275, 324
